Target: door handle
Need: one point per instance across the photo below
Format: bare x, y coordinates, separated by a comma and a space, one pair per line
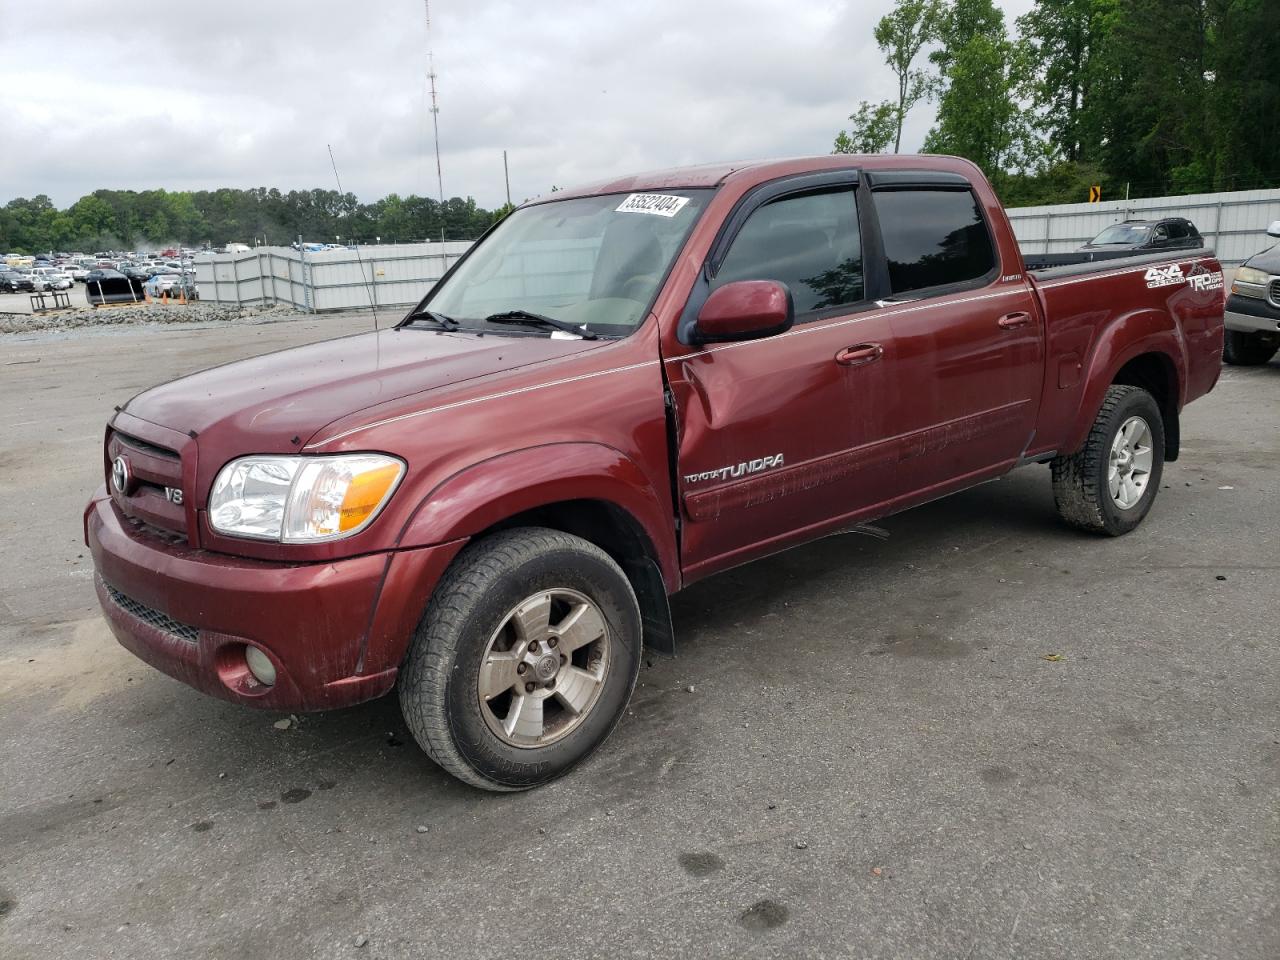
1011, 321
859, 354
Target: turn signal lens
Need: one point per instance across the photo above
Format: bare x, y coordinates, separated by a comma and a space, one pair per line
365, 495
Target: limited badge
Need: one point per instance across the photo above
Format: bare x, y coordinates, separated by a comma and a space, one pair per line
658, 204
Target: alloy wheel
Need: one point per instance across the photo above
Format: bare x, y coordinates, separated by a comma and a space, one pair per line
544, 668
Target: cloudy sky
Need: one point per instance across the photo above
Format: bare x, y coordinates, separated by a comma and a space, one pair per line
243, 94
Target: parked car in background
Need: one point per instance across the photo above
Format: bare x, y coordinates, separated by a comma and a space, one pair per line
172, 283
1171, 233
77, 272
11, 281
38, 283
54, 278
1253, 309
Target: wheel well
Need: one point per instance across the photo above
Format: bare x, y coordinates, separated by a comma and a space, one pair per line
1155, 373
619, 534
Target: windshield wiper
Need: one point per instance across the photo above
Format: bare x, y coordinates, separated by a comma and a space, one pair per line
445, 323
524, 316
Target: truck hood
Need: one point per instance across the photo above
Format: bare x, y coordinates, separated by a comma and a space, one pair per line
1268, 260
272, 399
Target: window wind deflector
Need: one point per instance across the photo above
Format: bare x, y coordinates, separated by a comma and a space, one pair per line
442, 321
538, 319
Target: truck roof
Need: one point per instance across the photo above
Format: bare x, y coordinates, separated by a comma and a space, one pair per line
702, 176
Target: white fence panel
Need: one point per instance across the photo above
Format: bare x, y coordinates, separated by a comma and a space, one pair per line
1234, 224
386, 275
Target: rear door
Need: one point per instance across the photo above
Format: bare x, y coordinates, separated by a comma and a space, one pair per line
767, 429
967, 334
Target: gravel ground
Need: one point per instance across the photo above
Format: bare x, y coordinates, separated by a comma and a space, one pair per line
149, 313
986, 737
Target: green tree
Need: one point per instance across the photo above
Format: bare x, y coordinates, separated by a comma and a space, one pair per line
980, 70
901, 34
1066, 45
871, 130
1244, 108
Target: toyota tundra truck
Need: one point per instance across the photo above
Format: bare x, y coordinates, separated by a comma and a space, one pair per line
620, 390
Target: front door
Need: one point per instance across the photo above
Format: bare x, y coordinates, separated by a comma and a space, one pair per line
768, 428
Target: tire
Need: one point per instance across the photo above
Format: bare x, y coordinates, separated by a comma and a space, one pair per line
1248, 349
1082, 482
477, 614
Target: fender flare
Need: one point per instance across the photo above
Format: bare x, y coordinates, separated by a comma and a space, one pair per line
1128, 336
486, 493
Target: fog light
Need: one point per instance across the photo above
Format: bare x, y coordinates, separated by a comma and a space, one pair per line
260, 666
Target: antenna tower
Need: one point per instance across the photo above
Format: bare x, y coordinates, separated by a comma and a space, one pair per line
435, 113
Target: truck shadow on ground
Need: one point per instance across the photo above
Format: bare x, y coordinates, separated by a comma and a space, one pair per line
954, 531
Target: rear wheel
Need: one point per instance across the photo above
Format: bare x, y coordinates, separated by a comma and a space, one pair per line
524, 660
1109, 484
1249, 349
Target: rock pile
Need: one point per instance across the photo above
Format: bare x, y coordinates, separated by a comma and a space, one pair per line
198, 312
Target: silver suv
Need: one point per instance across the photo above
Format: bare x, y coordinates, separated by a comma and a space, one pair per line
1253, 309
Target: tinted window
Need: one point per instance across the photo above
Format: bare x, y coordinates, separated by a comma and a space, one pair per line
808, 242
933, 238
1177, 231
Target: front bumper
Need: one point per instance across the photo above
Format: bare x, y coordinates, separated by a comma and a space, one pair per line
1251, 315
335, 631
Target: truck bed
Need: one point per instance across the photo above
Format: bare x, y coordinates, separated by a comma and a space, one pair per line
1046, 265
1094, 309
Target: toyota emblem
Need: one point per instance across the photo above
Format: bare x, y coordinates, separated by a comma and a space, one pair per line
120, 475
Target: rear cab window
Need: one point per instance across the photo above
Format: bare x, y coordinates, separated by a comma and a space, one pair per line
935, 240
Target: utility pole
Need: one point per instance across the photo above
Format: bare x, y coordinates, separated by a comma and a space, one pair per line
507, 176
435, 115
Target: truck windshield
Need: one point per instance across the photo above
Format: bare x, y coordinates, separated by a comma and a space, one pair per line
593, 261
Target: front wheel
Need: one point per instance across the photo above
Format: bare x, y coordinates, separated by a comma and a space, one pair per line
1242, 349
524, 660
1109, 484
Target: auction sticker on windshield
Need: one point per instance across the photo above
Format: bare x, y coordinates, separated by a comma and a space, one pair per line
659, 204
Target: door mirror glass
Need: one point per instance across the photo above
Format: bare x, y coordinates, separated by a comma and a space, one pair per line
745, 310
1274, 229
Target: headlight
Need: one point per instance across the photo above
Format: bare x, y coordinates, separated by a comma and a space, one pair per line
1249, 275
302, 499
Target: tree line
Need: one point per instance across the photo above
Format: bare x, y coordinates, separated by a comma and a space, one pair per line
128, 219
1143, 97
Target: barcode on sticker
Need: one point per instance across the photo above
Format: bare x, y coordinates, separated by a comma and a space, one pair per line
659, 204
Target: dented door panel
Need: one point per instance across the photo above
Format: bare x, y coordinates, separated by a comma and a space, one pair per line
777, 435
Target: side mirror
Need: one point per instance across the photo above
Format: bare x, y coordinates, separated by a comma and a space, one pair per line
745, 310
1274, 229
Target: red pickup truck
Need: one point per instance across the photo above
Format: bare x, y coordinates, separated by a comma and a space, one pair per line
619, 390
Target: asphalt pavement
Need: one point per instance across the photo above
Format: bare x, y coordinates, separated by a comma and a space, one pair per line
987, 736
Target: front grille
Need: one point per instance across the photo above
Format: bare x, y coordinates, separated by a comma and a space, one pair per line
155, 471
143, 445
1273, 292
161, 621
